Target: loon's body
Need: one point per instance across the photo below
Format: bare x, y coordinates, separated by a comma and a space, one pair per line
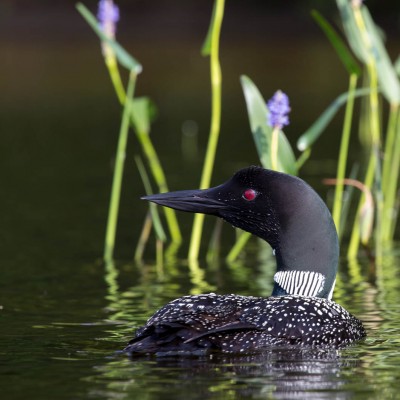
290, 216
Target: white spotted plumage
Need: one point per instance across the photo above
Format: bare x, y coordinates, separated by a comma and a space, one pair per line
232, 323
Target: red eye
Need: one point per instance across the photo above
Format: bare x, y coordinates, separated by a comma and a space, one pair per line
249, 194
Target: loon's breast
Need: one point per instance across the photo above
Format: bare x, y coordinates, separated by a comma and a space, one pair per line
240, 324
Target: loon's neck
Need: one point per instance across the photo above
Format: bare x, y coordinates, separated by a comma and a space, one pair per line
307, 249
284, 211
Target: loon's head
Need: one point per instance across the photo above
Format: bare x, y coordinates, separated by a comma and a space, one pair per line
284, 211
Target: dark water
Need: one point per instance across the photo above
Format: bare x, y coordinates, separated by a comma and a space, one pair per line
63, 320
63, 314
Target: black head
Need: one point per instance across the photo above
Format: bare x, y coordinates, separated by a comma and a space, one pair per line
279, 208
243, 201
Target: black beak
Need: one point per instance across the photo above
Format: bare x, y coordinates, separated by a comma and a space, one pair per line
195, 201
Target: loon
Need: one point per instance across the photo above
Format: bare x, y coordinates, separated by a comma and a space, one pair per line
288, 214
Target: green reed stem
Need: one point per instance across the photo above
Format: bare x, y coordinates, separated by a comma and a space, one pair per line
159, 177
238, 246
343, 154
389, 146
215, 243
160, 258
112, 66
153, 208
356, 232
148, 150
373, 169
118, 172
274, 149
304, 156
375, 155
216, 80
144, 237
392, 181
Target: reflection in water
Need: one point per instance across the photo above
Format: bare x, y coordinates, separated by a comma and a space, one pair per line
281, 373
197, 278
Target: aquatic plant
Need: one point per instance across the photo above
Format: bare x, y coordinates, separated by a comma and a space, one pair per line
136, 114
380, 82
278, 107
210, 48
382, 168
274, 150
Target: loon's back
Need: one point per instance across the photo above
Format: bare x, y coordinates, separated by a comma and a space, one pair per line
238, 324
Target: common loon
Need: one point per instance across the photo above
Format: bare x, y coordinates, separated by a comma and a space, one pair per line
288, 214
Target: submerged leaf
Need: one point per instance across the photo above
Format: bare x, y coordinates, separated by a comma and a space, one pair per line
262, 132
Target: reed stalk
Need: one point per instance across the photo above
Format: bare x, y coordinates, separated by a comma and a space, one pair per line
391, 189
118, 172
373, 169
144, 237
216, 81
159, 258
238, 246
390, 172
151, 155
343, 154
143, 137
115, 76
152, 217
159, 177
389, 145
274, 149
354, 244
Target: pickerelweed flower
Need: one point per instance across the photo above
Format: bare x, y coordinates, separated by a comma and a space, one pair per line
278, 107
108, 15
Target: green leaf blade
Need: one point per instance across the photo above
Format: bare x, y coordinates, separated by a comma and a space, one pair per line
206, 48
308, 138
351, 30
387, 77
262, 132
124, 58
338, 44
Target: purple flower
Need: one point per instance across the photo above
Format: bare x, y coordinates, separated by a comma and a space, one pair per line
108, 15
278, 107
